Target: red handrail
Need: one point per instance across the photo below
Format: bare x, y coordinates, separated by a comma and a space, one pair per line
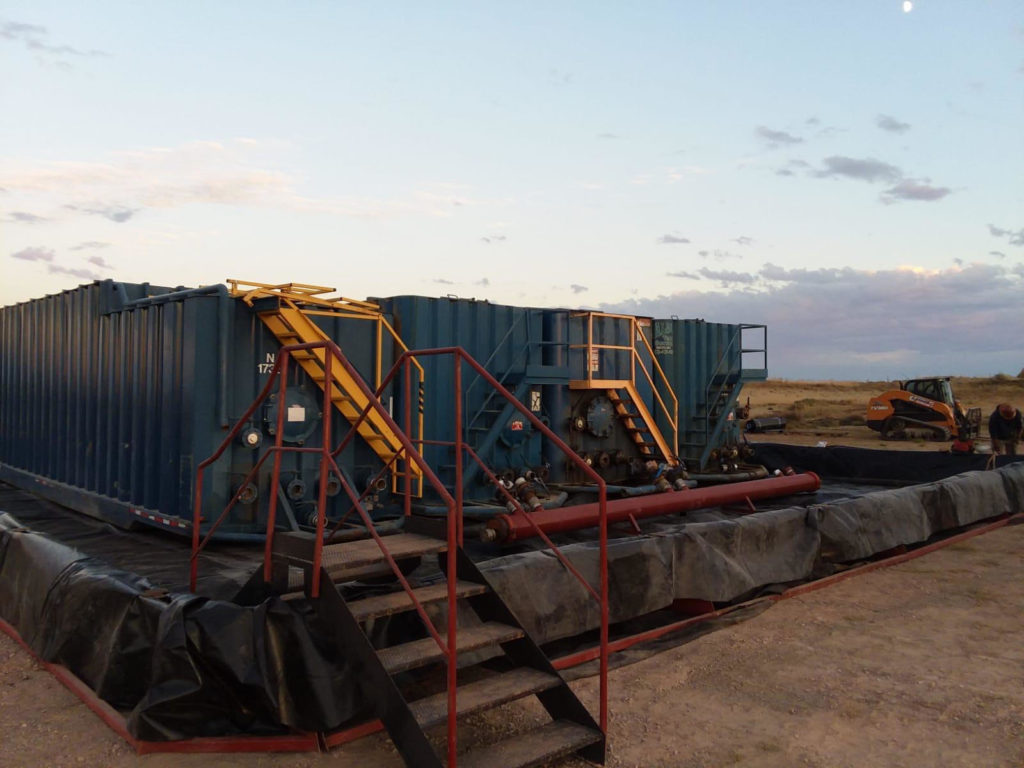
455, 528
463, 356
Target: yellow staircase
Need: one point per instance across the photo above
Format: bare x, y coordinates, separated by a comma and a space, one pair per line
634, 415
291, 323
639, 423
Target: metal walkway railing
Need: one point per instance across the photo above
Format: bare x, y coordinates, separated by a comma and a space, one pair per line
647, 366
333, 356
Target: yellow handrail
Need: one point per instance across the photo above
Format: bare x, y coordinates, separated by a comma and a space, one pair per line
294, 294
672, 416
248, 291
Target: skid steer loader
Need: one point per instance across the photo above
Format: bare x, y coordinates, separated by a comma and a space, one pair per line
922, 408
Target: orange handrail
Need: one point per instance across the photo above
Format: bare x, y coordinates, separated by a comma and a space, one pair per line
671, 414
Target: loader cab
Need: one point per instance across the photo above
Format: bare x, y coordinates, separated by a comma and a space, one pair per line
938, 390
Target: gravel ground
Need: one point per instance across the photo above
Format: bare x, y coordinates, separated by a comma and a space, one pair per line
921, 664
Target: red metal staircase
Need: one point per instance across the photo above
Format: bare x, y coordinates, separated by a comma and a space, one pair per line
475, 618
493, 627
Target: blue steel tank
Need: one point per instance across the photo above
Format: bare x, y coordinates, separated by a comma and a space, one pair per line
112, 393
708, 364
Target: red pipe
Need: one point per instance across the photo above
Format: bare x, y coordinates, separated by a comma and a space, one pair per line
518, 525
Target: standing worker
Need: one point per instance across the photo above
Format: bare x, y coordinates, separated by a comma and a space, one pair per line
1005, 427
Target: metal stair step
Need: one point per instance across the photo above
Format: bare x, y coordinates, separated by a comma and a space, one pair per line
483, 694
550, 741
419, 653
339, 558
398, 602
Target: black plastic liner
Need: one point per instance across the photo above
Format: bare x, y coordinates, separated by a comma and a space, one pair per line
178, 665
731, 559
182, 666
874, 466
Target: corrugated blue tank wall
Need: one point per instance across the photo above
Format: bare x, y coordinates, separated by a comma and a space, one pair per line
510, 343
112, 393
704, 362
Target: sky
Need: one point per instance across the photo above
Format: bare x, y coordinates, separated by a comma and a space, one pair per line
849, 174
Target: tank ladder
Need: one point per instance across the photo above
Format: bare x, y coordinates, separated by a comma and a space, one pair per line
713, 413
474, 620
632, 412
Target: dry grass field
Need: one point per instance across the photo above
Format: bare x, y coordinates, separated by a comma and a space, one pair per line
833, 411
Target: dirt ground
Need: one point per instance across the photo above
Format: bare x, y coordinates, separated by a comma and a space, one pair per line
833, 411
920, 664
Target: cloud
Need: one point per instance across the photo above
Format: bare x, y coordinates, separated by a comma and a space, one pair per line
48, 256
1014, 238
891, 124
34, 254
997, 254
23, 217
234, 173
875, 171
672, 240
85, 274
718, 254
559, 77
119, 214
909, 189
88, 245
775, 138
442, 281
686, 275
865, 169
824, 276
726, 278
677, 174
13, 30
792, 167
483, 281
743, 240
494, 239
578, 288
33, 37
857, 324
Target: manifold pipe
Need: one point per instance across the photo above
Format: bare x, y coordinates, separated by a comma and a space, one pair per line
518, 526
629, 490
717, 478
